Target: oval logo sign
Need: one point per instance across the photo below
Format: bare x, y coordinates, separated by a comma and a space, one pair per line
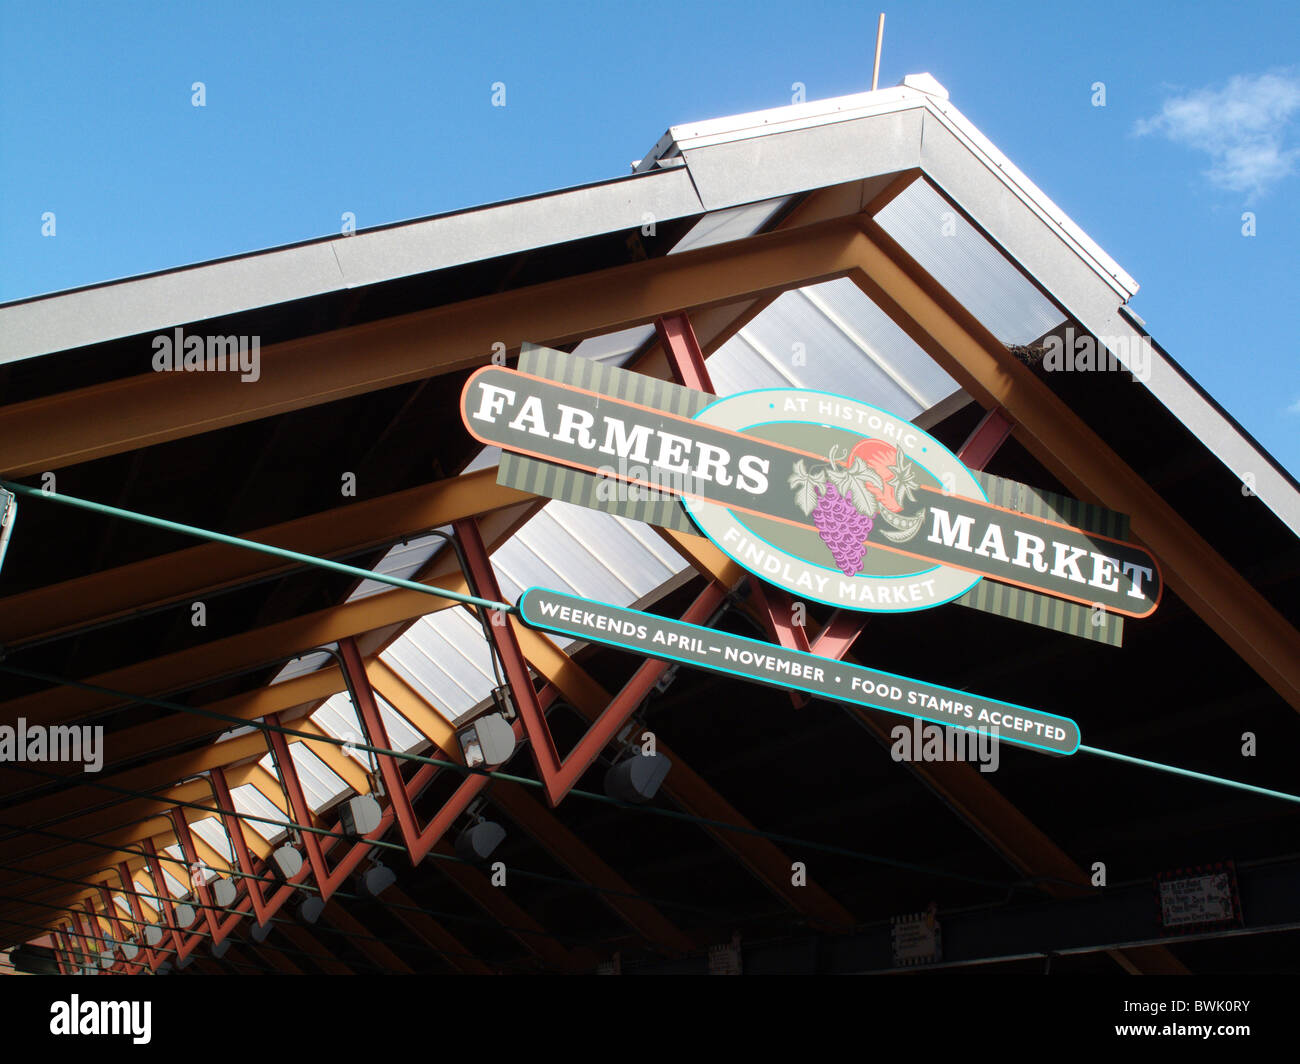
861, 478
830, 498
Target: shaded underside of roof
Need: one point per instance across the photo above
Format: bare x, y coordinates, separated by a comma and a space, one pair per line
878, 839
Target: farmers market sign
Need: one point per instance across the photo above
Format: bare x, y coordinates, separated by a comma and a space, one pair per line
830, 498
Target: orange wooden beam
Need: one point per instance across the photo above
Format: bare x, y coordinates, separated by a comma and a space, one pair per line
72, 427
1080, 458
185, 574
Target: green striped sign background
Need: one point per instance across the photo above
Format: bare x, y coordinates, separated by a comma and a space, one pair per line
1046, 611
585, 489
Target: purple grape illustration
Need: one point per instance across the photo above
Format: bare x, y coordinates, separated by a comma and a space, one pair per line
847, 495
843, 528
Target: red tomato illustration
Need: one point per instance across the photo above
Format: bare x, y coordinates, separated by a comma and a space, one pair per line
879, 456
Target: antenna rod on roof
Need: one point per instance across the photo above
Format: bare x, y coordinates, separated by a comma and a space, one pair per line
880, 38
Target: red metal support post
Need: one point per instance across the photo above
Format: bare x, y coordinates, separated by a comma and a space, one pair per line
137, 910
298, 805
985, 439
418, 841
197, 883
559, 775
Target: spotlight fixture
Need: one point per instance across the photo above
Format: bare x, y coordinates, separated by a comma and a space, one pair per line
130, 950
258, 932
284, 863
219, 948
360, 816
185, 914
636, 778
488, 742
153, 935
477, 841
224, 892
165, 968
378, 879
311, 909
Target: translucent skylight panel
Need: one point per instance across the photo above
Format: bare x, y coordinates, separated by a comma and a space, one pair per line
526, 566
403, 561
871, 330
737, 367
614, 349
251, 802
830, 337
209, 829
655, 545
307, 663
580, 566
145, 896
964, 262
414, 658
319, 782
731, 223
636, 569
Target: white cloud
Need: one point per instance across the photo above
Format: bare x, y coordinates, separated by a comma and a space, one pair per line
1242, 126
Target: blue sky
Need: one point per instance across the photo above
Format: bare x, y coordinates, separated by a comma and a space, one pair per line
384, 109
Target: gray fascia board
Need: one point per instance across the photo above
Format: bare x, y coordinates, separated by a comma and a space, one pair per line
161, 301
729, 173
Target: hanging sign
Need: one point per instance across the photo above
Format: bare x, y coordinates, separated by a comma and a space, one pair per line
916, 938
1199, 898
832, 499
776, 666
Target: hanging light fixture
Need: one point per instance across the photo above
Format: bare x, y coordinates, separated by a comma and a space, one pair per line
284, 863
637, 777
377, 879
477, 842
185, 913
488, 742
360, 815
224, 892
